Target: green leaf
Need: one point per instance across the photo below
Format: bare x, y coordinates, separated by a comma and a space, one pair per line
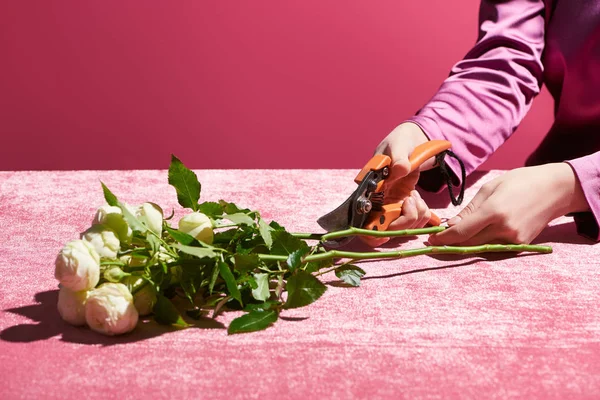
350, 274
131, 219
211, 209
285, 244
261, 293
315, 266
295, 259
276, 226
251, 281
246, 262
110, 198
165, 313
239, 218
265, 232
153, 242
303, 289
253, 321
181, 237
213, 279
199, 252
231, 208
229, 279
196, 313
267, 305
185, 183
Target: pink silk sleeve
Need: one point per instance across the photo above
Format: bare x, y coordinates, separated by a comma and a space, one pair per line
489, 92
587, 170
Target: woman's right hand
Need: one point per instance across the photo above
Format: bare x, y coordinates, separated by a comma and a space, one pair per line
399, 145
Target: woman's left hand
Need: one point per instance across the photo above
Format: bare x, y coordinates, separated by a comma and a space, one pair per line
515, 207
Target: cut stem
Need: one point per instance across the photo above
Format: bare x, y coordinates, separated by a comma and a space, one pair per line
352, 231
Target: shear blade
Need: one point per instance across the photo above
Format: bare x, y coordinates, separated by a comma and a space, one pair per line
337, 220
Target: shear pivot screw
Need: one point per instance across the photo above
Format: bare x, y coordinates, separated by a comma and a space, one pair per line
364, 206
385, 172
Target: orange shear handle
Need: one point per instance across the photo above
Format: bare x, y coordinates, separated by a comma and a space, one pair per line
398, 188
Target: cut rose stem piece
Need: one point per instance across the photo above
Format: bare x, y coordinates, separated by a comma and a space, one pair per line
485, 248
367, 232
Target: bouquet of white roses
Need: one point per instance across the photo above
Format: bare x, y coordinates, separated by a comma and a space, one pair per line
133, 262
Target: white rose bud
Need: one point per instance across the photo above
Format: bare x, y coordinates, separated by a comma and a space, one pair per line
112, 217
197, 225
163, 255
115, 274
151, 215
77, 266
104, 240
145, 299
71, 305
109, 309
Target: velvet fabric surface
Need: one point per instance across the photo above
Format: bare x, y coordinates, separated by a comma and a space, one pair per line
502, 326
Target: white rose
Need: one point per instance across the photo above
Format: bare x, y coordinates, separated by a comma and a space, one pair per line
77, 266
197, 225
71, 305
104, 240
109, 309
112, 217
145, 299
151, 215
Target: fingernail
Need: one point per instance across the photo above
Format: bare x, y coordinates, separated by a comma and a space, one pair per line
415, 194
410, 201
432, 239
454, 220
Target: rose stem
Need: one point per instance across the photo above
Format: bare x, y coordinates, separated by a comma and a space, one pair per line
486, 248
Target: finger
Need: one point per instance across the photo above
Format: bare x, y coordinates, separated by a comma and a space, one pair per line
465, 229
475, 203
408, 216
491, 234
398, 188
422, 210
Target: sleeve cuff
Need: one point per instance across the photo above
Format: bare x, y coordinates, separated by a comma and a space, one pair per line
432, 180
587, 171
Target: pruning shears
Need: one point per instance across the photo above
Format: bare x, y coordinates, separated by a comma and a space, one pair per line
368, 207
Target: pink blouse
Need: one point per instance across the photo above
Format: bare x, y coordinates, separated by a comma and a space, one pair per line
523, 44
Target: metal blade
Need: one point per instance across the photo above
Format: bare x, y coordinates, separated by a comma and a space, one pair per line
342, 218
337, 219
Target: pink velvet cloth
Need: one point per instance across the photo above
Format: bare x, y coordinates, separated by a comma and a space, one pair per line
476, 327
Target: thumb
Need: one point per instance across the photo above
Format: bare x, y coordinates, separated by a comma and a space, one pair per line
398, 151
400, 144
400, 166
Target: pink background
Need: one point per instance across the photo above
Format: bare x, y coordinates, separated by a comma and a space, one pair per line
225, 84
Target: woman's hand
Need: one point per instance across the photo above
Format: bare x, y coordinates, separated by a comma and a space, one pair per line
399, 145
515, 207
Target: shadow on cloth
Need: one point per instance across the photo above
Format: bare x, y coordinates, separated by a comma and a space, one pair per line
454, 257
562, 233
50, 324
